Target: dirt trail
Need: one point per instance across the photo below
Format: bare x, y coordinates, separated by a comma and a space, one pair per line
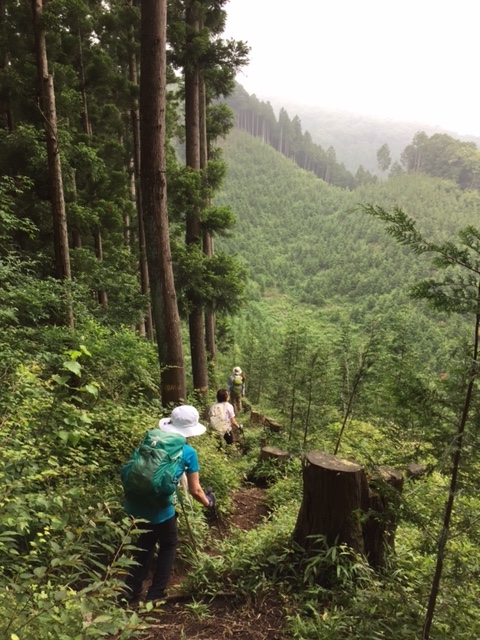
227, 619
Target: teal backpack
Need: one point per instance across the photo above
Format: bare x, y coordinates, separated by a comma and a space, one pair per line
150, 476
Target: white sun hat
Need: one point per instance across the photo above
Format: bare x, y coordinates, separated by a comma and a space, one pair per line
184, 421
237, 370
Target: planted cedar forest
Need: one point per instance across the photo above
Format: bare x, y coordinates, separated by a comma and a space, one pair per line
159, 226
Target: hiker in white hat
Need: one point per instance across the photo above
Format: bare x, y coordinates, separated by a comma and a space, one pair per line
150, 479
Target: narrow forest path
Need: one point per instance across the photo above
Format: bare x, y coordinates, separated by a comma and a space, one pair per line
227, 618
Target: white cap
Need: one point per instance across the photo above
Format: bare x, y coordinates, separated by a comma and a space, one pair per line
237, 370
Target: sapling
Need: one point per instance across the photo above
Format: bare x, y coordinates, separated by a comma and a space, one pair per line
457, 292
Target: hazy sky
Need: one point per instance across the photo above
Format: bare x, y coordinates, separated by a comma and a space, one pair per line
415, 60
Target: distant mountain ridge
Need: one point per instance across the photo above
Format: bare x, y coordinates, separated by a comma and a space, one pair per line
356, 138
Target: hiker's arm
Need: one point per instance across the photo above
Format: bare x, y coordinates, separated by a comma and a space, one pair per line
196, 490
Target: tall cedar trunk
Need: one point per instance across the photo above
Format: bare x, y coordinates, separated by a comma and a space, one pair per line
154, 199
193, 230
47, 94
87, 129
207, 236
101, 293
6, 115
142, 255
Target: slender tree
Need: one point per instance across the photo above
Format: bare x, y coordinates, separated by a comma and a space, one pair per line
135, 123
49, 114
383, 157
458, 292
153, 73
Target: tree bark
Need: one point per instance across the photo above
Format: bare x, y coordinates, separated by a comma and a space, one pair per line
379, 528
154, 199
193, 228
335, 493
6, 115
142, 255
48, 107
207, 236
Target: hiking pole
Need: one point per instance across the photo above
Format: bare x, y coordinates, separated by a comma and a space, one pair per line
189, 529
213, 507
217, 519
240, 428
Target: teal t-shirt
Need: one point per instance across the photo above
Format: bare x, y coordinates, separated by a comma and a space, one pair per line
189, 464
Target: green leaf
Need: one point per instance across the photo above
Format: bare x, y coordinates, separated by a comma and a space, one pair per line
40, 571
91, 389
85, 351
73, 366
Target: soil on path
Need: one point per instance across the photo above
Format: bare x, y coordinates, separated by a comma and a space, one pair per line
227, 618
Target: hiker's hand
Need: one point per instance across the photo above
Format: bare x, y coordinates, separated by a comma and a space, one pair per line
210, 497
240, 427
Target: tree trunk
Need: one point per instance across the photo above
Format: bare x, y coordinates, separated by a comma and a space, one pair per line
142, 254
47, 93
193, 228
6, 115
101, 293
335, 493
154, 199
207, 236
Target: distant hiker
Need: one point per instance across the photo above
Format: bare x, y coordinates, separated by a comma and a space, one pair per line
236, 388
222, 416
149, 480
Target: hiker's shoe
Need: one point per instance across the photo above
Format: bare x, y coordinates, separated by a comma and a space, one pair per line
155, 596
129, 598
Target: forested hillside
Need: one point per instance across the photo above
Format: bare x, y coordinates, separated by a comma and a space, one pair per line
356, 138
146, 249
301, 237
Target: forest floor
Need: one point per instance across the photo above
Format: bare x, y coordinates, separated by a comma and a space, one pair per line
227, 618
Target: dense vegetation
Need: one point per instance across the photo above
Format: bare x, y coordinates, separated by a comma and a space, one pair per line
333, 346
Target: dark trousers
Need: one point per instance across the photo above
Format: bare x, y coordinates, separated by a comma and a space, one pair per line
166, 534
236, 403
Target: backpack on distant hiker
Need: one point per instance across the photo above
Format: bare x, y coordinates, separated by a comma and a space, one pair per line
150, 477
217, 418
237, 385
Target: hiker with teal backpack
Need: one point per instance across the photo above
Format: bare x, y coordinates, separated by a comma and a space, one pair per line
236, 388
150, 481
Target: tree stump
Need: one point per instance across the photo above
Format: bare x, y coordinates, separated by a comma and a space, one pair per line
256, 418
276, 427
269, 453
415, 471
379, 527
335, 494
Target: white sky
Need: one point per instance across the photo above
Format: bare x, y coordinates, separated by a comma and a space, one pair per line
414, 60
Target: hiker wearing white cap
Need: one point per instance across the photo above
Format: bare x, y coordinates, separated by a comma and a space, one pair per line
236, 388
149, 480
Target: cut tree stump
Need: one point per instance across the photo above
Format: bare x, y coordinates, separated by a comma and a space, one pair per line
415, 471
256, 418
269, 453
341, 503
274, 426
379, 527
335, 494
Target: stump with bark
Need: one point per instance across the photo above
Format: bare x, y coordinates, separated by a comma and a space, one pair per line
335, 494
343, 505
385, 487
274, 453
274, 426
